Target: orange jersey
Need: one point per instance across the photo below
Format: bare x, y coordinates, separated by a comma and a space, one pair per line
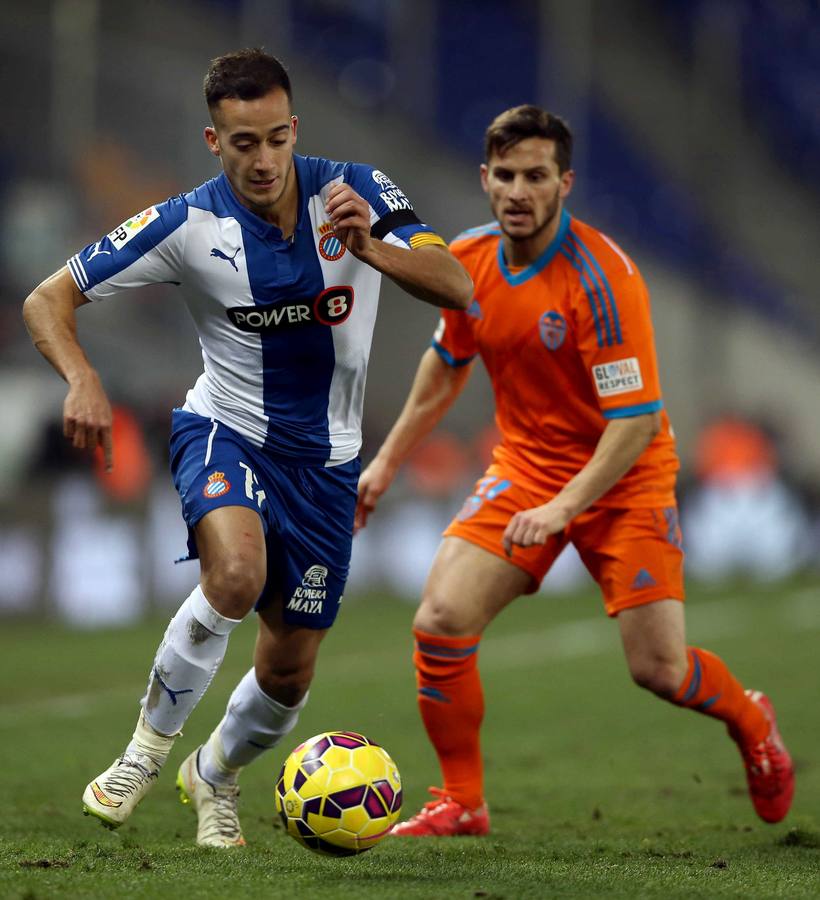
568, 344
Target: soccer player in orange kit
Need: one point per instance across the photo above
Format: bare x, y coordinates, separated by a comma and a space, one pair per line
561, 319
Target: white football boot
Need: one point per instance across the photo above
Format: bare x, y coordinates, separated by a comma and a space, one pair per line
215, 806
114, 795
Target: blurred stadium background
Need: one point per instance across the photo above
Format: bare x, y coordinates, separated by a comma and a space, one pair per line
697, 129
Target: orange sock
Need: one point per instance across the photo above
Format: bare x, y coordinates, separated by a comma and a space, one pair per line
710, 688
451, 703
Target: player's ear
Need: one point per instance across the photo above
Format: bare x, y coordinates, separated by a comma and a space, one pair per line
567, 181
485, 173
294, 125
211, 139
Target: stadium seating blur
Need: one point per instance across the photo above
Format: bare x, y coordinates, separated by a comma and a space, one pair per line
696, 132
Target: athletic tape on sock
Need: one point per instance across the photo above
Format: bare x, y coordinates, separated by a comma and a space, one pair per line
207, 616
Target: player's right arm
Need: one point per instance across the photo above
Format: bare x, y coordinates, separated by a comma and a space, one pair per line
146, 249
434, 389
50, 316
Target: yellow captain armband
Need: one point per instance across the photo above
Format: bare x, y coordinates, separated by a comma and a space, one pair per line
425, 239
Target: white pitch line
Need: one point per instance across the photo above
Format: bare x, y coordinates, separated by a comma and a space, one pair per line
799, 612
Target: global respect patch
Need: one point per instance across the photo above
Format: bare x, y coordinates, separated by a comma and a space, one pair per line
618, 377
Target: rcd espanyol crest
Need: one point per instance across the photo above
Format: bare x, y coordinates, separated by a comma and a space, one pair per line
217, 485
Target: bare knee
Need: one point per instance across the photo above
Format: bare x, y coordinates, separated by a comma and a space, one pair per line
233, 584
661, 676
438, 615
285, 684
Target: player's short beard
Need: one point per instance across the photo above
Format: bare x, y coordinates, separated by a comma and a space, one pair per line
549, 218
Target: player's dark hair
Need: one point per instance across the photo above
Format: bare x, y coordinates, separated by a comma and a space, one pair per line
244, 75
521, 122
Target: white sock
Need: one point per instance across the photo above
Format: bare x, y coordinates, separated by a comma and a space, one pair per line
187, 659
253, 723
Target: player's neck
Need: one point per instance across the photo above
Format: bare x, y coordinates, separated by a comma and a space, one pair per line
522, 253
284, 213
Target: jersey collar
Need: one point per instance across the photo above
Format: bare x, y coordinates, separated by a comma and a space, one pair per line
543, 260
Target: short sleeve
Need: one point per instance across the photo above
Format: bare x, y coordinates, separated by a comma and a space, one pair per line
394, 219
148, 248
617, 342
454, 339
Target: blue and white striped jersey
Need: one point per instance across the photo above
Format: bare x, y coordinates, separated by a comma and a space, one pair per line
285, 326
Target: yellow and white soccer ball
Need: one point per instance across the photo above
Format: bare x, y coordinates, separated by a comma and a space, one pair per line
339, 793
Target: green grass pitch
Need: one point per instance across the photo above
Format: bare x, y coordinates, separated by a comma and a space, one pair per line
595, 787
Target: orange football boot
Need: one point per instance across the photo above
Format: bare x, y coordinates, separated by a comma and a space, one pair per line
444, 817
769, 769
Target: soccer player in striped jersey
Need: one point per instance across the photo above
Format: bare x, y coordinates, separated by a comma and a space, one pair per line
279, 260
561, 319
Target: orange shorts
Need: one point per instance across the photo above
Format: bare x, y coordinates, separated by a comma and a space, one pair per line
635, 555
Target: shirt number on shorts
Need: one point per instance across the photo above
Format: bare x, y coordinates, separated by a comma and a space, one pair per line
487, 489
250, 481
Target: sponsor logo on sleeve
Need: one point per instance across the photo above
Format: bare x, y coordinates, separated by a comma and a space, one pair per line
439, 332
391, 193
382, 180
618, 377
120, 236
396, 200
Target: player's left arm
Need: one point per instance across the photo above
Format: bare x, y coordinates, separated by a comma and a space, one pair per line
619, 448
430, 273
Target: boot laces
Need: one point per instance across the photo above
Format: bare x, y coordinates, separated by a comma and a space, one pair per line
442, 799
131, 774
226, 820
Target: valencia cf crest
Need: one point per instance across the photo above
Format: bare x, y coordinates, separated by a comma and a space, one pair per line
217, 485
552, 327
330, 247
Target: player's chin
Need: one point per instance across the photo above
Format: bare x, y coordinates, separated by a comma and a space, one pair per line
519, 231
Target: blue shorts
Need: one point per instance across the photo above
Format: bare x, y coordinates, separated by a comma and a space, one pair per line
307, 512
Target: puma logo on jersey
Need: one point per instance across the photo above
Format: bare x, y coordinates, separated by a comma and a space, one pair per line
97, 252
220, 255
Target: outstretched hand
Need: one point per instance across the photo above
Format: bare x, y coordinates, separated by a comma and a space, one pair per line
350, 216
